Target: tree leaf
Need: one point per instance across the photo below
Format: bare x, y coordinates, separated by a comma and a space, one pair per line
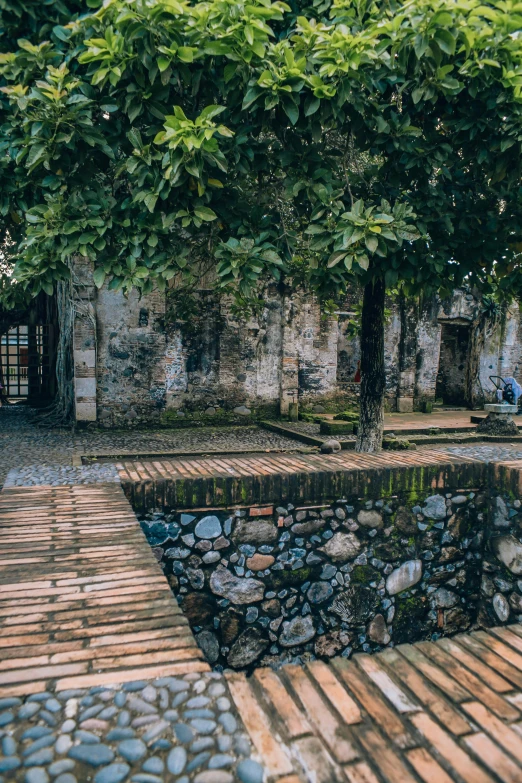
371, 243
99, 276
335, 258
205, 213
446, 41
311, 105
150, 201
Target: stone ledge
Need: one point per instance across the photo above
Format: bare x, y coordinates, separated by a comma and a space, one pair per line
304, 478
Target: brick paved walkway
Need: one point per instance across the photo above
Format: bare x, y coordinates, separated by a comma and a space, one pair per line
82, 599
443, 712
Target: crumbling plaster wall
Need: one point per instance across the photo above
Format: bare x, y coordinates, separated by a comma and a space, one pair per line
131, 354
147, 363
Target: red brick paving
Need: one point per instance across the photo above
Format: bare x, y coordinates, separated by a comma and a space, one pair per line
448, 712
83, 601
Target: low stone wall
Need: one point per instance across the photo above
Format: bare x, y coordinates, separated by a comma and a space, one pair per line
502, 565
268, 585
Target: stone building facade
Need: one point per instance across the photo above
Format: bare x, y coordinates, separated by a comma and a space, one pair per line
136, 363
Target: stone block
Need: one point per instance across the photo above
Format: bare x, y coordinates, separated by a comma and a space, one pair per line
404, 404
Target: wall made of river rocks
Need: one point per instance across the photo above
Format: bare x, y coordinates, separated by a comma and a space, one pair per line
263, 586
502, 566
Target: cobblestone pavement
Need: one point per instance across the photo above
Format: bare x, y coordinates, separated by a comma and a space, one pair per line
41, 452
181, 729
497, 452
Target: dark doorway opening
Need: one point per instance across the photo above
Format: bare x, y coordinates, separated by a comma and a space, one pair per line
451, 385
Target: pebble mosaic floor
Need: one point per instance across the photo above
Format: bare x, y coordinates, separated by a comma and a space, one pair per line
181, 729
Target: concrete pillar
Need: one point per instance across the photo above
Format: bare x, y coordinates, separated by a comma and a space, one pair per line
407, 355
84, 341
289, 391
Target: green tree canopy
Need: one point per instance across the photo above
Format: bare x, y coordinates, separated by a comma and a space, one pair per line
353, 140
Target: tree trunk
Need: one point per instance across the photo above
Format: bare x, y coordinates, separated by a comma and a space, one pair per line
373, 380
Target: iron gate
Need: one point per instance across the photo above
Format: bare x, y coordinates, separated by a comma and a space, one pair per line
24, 355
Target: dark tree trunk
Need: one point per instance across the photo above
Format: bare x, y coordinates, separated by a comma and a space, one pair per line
373, 381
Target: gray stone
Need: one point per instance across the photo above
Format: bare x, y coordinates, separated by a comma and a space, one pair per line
249, 771
405, 576
8, 746
116, 735
28, 710
211, 557
86, 737
198, 761
114, 773
356, 604
342, 547
208, 527
377, 630
445, 599
236, 589
220, 760
36, 775
8, 763
67, 777
183, 732
95, 755
132, 749
9, 701
330, 446
214, 776
154, 765
228, 722
308, 528
247, 648
508, 549
177, 760
177, 553
515, 601
297, 631
256, 532
41, 757
319, 592
6, 718
43, 742
204, 743
501, 607
63, 743
203, 726
209, 643
140, 705
242, 410
63, 765
370, 519
500, 513
435, 507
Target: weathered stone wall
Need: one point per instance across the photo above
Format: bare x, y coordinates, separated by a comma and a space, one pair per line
152, 368
502, 567
264, 586
131, 386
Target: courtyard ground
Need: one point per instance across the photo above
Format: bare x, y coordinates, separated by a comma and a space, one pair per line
34, 455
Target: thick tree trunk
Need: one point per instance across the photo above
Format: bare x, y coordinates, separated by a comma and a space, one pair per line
373, 381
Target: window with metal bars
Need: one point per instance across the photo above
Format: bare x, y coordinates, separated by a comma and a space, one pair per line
24, 357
